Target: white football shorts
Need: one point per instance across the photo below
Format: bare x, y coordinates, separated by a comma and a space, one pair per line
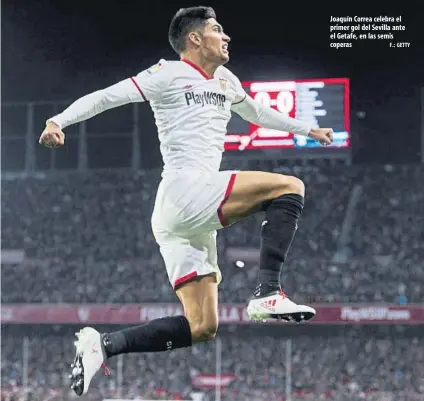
185, 218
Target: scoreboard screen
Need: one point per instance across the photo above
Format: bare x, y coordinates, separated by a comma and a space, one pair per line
322, 102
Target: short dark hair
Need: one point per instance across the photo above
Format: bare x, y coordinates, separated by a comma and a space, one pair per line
185, 21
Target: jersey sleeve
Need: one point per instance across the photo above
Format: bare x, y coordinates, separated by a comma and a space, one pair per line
240, 93
147, 85
152, 82
97, 102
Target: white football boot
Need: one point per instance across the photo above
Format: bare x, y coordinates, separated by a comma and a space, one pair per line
277, 305
89, 358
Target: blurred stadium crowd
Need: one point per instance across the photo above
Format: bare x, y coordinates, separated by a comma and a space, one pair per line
87, 239
328, 364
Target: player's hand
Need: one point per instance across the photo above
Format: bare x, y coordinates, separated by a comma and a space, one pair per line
323, 135
52, 136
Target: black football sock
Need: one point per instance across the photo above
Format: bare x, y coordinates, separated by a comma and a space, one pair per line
277, 233
158, 335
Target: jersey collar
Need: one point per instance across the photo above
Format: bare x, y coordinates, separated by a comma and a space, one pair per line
197, 68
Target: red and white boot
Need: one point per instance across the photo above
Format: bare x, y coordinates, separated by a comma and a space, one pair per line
90, 356
277, 305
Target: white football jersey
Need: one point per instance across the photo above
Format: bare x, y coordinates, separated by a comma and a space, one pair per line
191, 111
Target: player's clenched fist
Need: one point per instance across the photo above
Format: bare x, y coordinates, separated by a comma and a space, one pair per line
323, 135
52, 136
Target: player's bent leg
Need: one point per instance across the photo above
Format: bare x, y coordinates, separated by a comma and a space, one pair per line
197, 290
199, 298
252, 189
282, 199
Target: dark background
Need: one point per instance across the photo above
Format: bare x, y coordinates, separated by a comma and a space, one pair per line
54, 50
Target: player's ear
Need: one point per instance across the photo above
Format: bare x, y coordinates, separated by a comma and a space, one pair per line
195, 38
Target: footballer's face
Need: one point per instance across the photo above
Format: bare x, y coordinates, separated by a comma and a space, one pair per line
214, 42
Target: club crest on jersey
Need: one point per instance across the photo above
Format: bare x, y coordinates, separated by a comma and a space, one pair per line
155, 68
223, 83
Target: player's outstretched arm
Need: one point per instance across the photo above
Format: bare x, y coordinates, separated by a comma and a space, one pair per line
147, 85
266, 117
87, 107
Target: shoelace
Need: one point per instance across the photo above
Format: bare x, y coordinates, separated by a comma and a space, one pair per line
106, 369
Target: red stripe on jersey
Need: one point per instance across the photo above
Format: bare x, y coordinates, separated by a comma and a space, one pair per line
139, 89
196, 67
185, 278
230, 185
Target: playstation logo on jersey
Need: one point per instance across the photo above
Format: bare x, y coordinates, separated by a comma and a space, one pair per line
205, 98
223, 83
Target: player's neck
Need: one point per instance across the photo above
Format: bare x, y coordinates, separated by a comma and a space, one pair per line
206, 66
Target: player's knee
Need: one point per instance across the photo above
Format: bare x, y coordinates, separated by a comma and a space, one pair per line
291, 185
204, 331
